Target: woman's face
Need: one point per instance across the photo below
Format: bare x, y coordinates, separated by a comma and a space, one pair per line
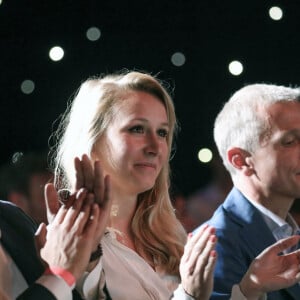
134, 148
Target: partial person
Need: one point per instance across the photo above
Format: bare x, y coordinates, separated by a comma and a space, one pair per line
126, 122
65, 246
23, 181
257, 133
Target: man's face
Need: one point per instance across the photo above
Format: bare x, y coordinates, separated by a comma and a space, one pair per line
277, 161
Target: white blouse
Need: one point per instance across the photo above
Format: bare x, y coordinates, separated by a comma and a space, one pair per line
129, 277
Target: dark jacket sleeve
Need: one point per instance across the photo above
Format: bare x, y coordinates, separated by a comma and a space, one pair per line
36, 292
39, 292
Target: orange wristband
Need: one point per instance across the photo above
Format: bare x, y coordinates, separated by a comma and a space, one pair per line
62, 273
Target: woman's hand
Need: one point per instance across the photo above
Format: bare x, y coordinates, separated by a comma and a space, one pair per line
91, 177
198, 262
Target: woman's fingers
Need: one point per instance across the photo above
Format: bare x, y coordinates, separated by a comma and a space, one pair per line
99, 184
77, 206
90, 226
79, 174
98, 188
197, 268
192, 239
84, 173
52, 201
205, 261
106, 202
88, 173
197, 243
91, 177
84, 216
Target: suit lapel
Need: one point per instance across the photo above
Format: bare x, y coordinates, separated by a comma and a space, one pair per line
254, 231
258, 237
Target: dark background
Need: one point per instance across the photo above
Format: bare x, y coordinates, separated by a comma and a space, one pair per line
141, 35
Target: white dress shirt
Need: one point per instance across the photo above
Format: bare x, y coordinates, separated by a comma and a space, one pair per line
279, 227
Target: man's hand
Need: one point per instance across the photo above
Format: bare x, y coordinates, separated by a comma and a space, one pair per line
70, 236
271, 271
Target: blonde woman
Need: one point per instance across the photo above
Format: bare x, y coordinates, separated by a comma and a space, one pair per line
127, 123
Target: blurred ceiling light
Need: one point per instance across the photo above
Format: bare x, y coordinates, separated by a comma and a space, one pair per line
93, 34
275, 13
235, 68
205, 155
27, 86
56, 53
178, 59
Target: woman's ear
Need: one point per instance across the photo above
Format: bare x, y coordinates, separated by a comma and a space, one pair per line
240, 160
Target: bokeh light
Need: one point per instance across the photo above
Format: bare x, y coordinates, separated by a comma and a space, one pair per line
275, 13
235, 68
205, 155
27, 86
93, 34
56, 53
178, 59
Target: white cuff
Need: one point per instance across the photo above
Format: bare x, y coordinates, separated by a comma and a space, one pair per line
180, 294
57, 286
236, 294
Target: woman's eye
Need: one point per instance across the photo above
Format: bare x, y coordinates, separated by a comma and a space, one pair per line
163, 132
137, 129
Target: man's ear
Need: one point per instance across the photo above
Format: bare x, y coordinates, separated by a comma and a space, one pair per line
241, 160
18, 199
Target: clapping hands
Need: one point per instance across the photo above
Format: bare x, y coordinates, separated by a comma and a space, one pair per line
198, 262
272, 270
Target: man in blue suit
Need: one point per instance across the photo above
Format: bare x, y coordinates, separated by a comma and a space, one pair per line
258, 137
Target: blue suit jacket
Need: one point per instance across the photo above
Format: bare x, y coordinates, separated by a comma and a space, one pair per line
242, 235
17, 237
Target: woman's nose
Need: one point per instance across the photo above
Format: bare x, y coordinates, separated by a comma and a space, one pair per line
152, 144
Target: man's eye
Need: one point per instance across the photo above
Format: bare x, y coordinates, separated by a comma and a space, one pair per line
163, 132
289, 142
137, 129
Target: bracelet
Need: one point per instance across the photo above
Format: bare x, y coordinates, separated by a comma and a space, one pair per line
97, 253
62, 273
188, 293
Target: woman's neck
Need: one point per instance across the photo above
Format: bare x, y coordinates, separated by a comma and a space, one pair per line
122, 212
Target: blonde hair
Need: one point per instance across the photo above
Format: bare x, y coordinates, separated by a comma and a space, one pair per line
157, 232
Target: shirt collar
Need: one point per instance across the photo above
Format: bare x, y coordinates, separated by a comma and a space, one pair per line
279, 227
